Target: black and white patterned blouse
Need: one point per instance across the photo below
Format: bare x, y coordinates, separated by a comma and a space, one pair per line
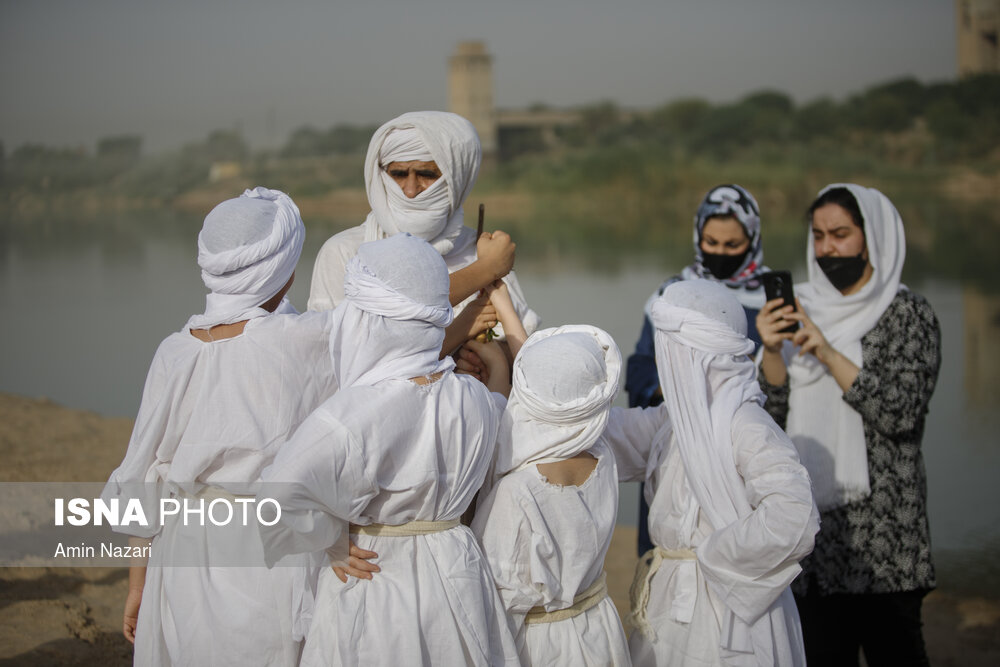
881, 544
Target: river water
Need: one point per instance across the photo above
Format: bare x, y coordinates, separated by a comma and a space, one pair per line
84, 306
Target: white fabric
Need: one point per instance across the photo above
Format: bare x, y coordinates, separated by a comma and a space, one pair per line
243, 274
547, 544
564, 380
392, 453
434, 215
215, 414
691, 603
392, 323
827, 432
749, 525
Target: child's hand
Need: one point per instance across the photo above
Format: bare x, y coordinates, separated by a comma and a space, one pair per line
357, 564
496, 364
468, 362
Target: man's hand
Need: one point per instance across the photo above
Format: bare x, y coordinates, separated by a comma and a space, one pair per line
495, 250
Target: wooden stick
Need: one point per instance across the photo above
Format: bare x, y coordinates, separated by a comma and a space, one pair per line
482, 212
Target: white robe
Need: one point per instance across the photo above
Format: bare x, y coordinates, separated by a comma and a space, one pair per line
392, 453
326, 290
214, 415
777, 532
546, 544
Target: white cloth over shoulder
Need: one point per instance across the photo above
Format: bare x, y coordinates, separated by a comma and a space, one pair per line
247, 251
827, 432
728, 486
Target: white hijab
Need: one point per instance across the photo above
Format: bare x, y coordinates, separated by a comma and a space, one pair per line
827, 432
706, 375
564, 381
391, 323
434, 215
247, 250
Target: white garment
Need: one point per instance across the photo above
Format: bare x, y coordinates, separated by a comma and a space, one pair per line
392, 453
214, 415
828, 433
546, 544
690, 600
326, 291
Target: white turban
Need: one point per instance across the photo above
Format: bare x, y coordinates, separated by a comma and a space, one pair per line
564, 381
827, 432
435, 214
391, 323
247, 251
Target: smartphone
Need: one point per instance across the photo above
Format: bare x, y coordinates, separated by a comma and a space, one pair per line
778, 285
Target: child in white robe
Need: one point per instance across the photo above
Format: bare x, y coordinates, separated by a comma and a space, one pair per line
398, 454
220, 397
731, 509
547, 523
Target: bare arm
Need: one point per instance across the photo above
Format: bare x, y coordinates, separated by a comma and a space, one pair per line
136, 583
507, 316
495, 253
496, 362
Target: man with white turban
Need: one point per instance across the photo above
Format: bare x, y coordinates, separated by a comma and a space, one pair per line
547, 524
394, 458
731, 510
221, 395
419, 170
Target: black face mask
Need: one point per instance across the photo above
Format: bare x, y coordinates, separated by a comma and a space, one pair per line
843, 271
722, 266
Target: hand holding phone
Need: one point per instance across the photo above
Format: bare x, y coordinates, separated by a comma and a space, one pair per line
778, 285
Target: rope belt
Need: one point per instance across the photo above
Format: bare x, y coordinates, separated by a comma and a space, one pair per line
638, 593
404, 529
581, 603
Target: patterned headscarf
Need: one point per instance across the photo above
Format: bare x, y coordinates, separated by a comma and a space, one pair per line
730, 200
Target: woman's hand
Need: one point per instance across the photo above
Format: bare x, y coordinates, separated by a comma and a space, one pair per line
771, 319
809, 339
357, 564
131, 616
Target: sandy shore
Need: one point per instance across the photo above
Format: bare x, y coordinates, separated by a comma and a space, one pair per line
72, 616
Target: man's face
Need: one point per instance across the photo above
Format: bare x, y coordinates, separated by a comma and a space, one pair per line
413, 177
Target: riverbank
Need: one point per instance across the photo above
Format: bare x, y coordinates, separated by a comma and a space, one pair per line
72, 616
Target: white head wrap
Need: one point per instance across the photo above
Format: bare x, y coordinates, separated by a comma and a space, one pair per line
706, 375
827, 432
247, 251
391, 323
434, 215
564, 381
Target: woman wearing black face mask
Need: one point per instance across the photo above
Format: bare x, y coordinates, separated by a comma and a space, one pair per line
727, 249
851, 388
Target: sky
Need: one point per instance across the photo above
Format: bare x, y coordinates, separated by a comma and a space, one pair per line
74, 71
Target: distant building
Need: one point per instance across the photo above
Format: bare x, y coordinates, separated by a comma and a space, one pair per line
503, 133
470, 90
978, 22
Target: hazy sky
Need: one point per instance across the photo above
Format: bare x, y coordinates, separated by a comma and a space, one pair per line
72, 71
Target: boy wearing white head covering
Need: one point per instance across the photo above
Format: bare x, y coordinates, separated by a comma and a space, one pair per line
448, 145
398, 454
546, 528
220, 394
731, 511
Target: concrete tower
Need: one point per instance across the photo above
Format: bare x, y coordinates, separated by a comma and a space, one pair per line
470, 90
978, 22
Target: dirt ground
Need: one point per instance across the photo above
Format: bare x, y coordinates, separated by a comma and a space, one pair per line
72, 616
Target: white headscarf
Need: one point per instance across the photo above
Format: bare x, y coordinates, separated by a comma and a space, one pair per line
247, 251
827, 432
391, 324
706, 375
434, 215
564, 381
